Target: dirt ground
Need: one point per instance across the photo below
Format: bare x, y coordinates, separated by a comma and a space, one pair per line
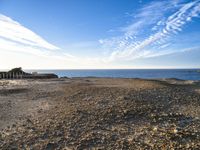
99, 113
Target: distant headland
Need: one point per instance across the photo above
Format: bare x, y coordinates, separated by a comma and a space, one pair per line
18, 73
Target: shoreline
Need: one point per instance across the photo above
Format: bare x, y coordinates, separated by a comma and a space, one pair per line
99, 113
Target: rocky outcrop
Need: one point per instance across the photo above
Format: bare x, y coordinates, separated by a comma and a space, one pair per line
18, 70
40, 76
18, 73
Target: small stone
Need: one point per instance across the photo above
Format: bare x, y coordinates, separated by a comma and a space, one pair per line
155, 129
175, 131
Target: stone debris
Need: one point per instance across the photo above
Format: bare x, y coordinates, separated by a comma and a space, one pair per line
98, 117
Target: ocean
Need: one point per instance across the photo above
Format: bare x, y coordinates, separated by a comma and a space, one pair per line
184, 74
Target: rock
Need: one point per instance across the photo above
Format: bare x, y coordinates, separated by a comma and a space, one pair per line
51, 146
95, 116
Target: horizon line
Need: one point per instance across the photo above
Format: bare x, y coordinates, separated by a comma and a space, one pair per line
104, 68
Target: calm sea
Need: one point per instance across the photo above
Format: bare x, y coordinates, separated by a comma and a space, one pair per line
185, 74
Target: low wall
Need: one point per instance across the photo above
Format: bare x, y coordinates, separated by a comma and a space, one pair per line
5, 75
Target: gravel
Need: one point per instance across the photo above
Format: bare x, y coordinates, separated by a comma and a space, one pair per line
106, 113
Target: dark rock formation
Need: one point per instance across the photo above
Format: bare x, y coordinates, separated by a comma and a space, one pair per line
18, 70
40, 76
17, 73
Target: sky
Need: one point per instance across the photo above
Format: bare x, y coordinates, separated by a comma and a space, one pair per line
99, 34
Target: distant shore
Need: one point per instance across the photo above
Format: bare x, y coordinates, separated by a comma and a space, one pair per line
184, 74
18, 73
104, 113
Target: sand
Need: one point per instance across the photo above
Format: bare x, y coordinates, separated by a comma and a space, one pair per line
99, 113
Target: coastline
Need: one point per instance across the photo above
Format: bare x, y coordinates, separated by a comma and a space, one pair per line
99, 113
185, 74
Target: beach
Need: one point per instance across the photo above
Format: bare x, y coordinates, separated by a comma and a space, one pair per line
99, 113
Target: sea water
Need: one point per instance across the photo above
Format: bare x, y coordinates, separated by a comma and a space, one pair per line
185, 74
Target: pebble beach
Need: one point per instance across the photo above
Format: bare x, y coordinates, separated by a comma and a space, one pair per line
99, 113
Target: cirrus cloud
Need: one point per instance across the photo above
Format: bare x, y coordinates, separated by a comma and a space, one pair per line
165, 18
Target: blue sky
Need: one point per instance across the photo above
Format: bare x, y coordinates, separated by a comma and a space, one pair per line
94, 34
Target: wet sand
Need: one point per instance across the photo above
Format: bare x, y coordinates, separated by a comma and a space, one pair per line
99, 113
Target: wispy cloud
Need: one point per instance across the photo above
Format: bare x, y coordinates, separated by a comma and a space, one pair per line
166, 19
147, 36
14, 31
16, 38
25, 48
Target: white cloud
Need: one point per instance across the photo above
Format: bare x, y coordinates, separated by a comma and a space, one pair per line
128, 48
14, 31
22, 47
25, 48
